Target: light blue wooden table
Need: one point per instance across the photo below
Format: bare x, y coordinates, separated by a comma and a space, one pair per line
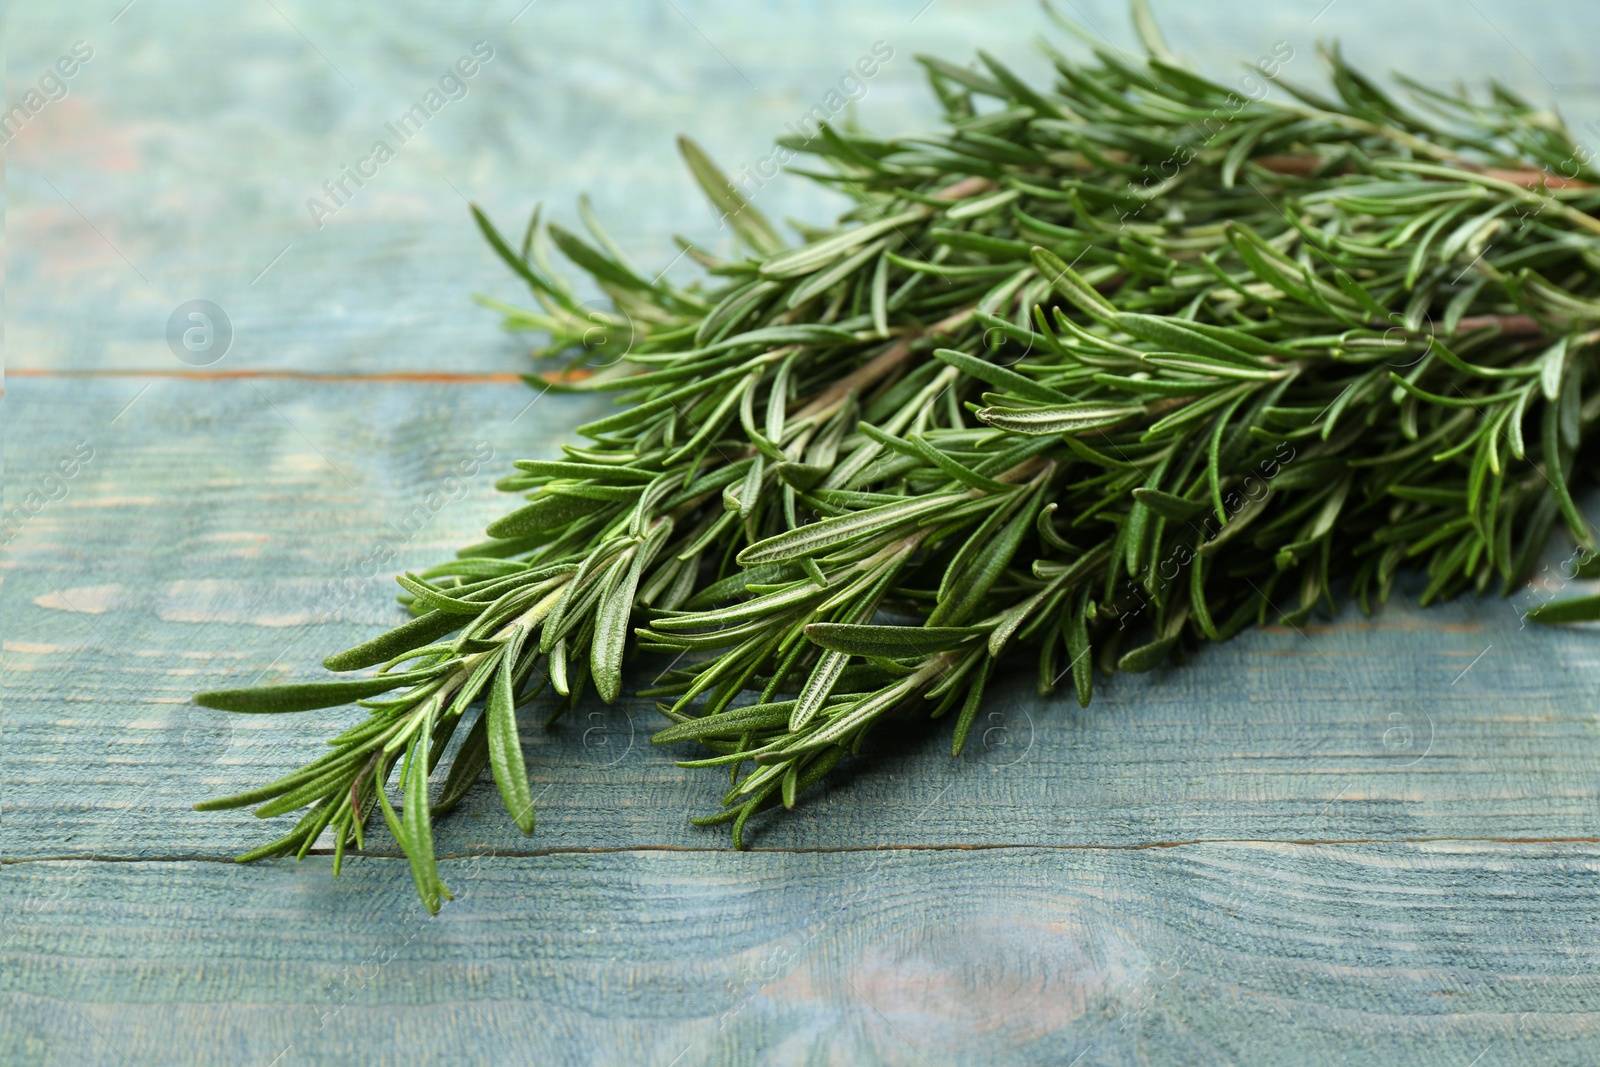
1373, 842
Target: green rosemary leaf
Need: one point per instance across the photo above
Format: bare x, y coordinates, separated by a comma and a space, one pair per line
1573, 609
505, 749
1146, 657
611, 624
830, 534
1071, 285
469, 762
893, 642
518, 263
551, 511
971, 79
601, 266
819, 254
978, 576
1168, 506
1551, 366
307, 696
596, 471
947, 464
999, 377
288, 782
1058, 418
1183, 339
418, 823
1216, 368
817, 689
728, 725
969, 708
419, 632
746, 220
1034, 393
1554, 472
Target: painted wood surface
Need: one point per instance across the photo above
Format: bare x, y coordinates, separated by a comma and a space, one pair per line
1369, 841
1444, 953
207, 543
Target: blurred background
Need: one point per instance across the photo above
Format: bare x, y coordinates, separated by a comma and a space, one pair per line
180, 160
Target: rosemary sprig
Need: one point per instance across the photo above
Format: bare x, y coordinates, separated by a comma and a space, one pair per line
1100, 371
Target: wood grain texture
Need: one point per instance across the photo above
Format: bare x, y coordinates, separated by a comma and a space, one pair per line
1368, 841
1370, 954
213, 541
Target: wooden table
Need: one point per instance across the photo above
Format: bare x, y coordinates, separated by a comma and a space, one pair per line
1370, 841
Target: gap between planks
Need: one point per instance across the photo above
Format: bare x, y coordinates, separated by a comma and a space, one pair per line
384, 377
845, 849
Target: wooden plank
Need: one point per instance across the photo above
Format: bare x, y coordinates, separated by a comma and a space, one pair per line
163, 190
207, 550
383, 284
1218, 953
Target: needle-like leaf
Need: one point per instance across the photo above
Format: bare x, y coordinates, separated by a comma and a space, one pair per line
1043, 391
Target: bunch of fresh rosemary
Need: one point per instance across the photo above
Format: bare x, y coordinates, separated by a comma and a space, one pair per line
1094, 374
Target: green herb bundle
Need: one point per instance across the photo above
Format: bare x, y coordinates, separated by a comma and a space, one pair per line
1097, 373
